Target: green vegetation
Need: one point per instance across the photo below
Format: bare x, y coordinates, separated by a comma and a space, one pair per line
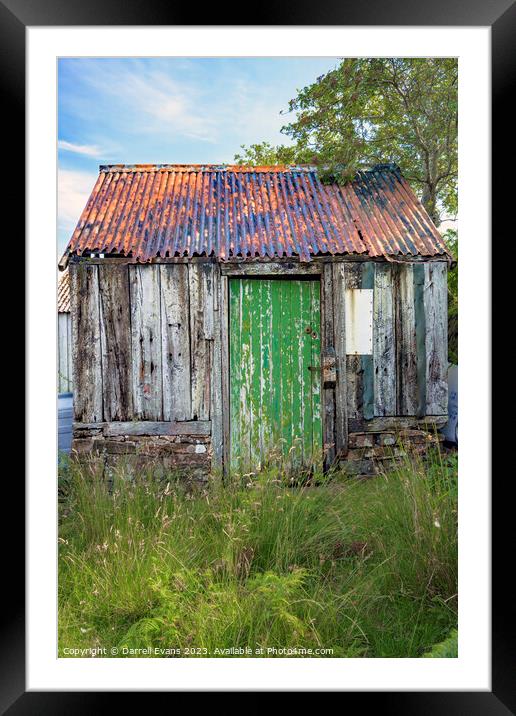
376, 110
449, 648
452, 240
365, 568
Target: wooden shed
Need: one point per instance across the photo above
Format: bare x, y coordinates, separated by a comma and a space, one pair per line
225, 316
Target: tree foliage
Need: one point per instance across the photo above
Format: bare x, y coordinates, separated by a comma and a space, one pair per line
370, 111
452, 242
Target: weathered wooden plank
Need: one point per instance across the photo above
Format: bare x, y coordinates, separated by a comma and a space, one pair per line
328, 342
235, 373
200, 343
63, 353
354, 372
148, 427
208, 272
406, 350
339, 328
146, 371
420, 320
270, 268
216, 409
225, 378
368, 382
436, 316
175, 342
87, 354
115, 337
292, 266
384, 349
394, 422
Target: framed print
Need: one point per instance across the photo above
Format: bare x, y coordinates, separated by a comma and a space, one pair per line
242, 423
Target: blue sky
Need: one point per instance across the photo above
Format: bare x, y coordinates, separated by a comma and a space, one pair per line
166, 110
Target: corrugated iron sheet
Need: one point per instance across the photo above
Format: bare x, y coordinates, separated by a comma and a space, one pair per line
63, 292
148, 211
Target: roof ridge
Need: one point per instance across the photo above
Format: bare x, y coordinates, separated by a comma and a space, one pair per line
206, 167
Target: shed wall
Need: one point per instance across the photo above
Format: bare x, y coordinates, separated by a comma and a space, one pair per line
151, 348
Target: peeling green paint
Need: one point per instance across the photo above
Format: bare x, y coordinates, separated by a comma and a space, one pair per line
275, 409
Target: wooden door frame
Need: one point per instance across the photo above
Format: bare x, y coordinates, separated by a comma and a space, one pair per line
333, 400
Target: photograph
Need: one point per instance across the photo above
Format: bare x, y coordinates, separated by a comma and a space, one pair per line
257, 357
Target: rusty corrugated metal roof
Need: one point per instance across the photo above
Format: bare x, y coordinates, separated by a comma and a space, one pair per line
163, 210
63, 292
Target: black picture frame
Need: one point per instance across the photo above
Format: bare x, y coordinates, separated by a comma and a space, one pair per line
15, 17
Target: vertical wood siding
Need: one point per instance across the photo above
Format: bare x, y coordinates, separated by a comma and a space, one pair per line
407, 373
218, 367
151, 342
115, 336
201, 283
175, 342
368, 399
339, 320
87, 352
328, 343
406, 349
436, 343
146, 342
384, 348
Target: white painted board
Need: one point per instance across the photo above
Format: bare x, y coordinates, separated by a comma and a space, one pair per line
359, 321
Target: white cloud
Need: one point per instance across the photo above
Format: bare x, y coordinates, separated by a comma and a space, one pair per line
90, 150
169, 107
74, 189
147, 100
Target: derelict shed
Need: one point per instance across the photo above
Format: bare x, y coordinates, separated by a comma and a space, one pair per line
223, 316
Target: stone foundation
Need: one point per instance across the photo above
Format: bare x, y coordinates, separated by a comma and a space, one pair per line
370, 453
191, 454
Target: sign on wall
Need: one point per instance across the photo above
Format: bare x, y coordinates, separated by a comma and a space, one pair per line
359, 321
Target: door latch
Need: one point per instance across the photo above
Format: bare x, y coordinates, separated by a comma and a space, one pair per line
328, 367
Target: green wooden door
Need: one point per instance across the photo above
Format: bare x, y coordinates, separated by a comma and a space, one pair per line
275, 397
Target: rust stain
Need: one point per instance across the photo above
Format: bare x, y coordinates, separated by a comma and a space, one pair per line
163, 210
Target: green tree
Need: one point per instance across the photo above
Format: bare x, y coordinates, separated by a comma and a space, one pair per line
451, 239
369, 111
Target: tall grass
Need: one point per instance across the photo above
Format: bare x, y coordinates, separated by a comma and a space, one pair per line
360, 568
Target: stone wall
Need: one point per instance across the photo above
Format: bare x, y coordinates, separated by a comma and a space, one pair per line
369, 452
191, 454
372, 452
